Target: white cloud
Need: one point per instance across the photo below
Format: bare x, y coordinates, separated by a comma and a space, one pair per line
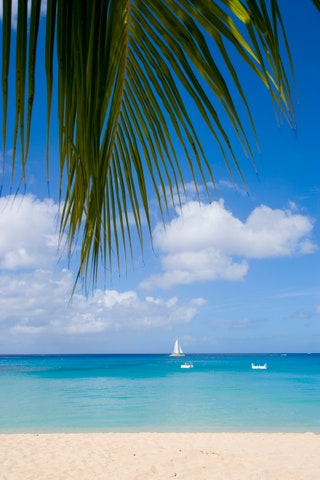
275, 233
29, 237
36, 304
35, 290
206, 242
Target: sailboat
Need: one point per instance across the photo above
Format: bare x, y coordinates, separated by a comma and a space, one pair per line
177, 350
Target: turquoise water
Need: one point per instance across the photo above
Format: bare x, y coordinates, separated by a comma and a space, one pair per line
73, 393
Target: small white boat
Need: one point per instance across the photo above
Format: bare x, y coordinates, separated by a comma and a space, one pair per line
259, 367
177, 350
186, 365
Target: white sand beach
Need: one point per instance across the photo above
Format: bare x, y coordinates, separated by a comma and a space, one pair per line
143, 456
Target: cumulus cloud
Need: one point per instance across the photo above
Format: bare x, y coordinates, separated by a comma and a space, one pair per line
29, 235
35, 289
204, 242
207, 242
37, 304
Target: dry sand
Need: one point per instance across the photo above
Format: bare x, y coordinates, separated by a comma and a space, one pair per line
144, 456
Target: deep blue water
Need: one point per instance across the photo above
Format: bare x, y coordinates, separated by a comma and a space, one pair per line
72, 393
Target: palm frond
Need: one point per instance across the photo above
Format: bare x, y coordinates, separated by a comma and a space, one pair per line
129, 72
6, 42
21, 50
317, 4
34, 29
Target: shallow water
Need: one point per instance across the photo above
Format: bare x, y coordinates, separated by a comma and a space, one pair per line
70, 393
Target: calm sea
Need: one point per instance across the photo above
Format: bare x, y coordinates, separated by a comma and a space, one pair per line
96, 393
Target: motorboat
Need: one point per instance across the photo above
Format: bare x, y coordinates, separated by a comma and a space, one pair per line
186, 365
259, 367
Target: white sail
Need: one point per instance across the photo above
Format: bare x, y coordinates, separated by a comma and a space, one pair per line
176, 347
177, 350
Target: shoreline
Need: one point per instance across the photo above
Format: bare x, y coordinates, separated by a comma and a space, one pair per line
149, 455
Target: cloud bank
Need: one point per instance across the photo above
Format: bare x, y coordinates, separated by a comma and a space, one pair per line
38, 304
206, 242
203, 243
35, 287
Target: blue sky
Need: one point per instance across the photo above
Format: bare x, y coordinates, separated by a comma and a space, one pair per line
238, 274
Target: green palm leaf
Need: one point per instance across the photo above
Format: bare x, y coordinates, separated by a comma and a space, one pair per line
128, 71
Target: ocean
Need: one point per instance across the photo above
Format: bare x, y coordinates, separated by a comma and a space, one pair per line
151, 393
